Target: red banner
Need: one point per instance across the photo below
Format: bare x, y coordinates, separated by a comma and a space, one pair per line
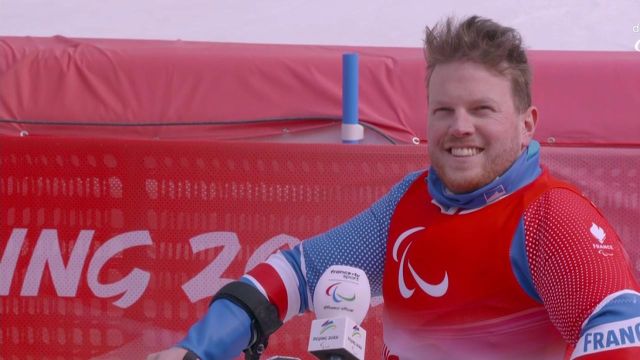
112, 249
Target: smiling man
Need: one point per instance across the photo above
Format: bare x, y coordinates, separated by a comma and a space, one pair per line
485, 255
475, 130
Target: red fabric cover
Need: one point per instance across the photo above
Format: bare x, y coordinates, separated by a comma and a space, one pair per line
139, 81
587, 98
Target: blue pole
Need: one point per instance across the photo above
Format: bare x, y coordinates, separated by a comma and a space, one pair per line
350, 88
350, 126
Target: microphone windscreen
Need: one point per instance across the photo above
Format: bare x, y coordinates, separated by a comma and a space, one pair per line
342, 291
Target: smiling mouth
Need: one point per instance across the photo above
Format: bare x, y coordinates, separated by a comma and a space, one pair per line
464, 151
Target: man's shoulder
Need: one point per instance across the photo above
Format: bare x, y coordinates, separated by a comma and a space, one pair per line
410, 178
562, 199
556, 188
563, 208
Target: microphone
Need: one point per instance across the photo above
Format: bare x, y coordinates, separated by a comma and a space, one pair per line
341, 301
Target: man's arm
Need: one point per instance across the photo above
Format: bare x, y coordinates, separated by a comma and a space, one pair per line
287, 279
582, 274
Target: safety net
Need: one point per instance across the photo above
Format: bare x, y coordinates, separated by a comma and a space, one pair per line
112, 248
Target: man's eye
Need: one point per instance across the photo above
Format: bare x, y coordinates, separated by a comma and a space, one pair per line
484, 108
442, 110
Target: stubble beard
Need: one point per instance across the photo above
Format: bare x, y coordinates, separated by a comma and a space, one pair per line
494, 165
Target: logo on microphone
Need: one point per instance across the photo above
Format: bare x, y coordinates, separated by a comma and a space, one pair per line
337, 297
327, 325
356, 331
435, 290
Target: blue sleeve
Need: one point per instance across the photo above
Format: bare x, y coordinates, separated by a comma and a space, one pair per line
520, 262
360, 242
222, 334
614, 325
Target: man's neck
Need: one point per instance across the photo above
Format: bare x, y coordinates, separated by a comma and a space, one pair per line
523, 171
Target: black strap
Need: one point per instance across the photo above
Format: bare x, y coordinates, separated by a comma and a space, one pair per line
263, 314
190, 356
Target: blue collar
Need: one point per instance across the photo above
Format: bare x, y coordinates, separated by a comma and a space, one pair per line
523, 171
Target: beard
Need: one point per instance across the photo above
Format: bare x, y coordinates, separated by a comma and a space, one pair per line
492, 163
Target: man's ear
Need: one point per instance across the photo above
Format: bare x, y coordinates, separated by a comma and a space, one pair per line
529, 120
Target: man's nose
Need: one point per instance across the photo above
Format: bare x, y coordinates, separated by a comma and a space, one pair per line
461, 124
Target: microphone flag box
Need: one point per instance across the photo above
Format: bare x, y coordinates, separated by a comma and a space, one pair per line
339, 336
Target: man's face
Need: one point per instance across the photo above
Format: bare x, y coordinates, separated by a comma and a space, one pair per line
474, 130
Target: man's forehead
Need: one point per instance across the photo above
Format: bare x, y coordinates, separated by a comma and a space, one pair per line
437, 101
497, 71
468, 80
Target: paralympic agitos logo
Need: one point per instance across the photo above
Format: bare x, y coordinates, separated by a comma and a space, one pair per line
337, 296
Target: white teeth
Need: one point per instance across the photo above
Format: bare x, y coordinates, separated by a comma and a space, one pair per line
464, 151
